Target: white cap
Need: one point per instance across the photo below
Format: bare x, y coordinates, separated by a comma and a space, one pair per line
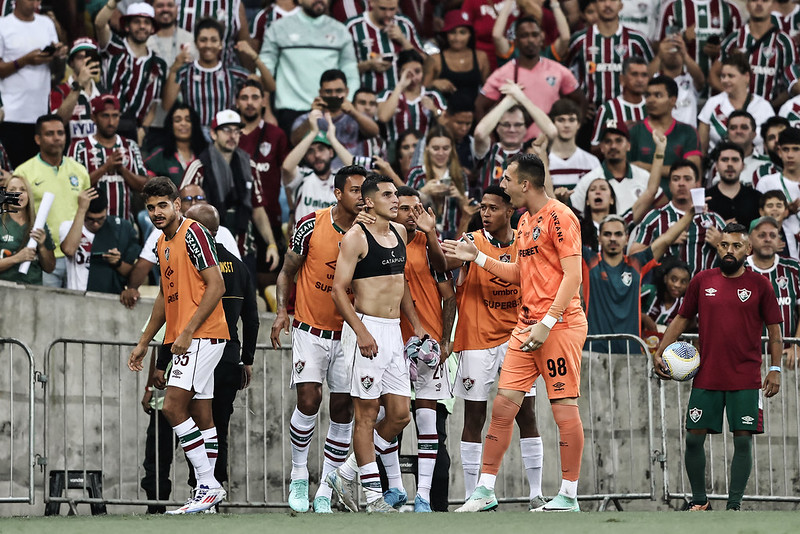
141, 9
226, 116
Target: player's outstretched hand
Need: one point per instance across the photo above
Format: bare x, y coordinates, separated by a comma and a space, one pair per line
772, 384
135, 359
537, 337
464, 250
367, 345
659, 367
182, 343
426, 220
281, 324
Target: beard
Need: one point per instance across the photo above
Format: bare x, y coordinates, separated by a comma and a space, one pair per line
729, 264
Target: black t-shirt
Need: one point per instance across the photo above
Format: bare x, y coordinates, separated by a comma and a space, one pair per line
743, 207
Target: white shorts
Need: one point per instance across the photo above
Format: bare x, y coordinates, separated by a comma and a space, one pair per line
433, 384
194, 371
477, 372
387, 372
315, 359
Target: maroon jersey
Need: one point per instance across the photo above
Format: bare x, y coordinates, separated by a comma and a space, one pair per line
268, 147
731, 315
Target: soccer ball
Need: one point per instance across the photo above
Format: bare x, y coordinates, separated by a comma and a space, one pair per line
682, 361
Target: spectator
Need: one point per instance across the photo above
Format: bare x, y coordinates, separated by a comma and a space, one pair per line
641, 16
15, 231
770, 130
672, 60
207, 84
264, 19
379, 35
410, 104
344, 10
735, 75
791, 110
350, 123
769, 51
612, 288
702, 34
742, 132
629, 106
458, 70
51, 171
697, 248
773, 204
786, 180
664, 300
266, 144
600, 49
506, 49
628, 181
366, 103
72, 100
228, 176
230, 13
183, 143
311, 187
568, 163
459, 119
544, 81
307, 45
508, 120
28, 42
100, 248
783, 274
682, 143
441, 178
733, 201
114, 163
404, 152
5, 164
785, 18
131, 70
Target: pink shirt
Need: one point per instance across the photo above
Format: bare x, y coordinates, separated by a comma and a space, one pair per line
545, 83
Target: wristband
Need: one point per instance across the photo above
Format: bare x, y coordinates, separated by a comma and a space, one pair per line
480, 259
549, 321
658, 156
776, 368
16, 65
272, 245
149, 388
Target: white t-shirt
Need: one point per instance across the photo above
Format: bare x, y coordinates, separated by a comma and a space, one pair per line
791, 111
627, 190
717, 109
642, 16
27, 91
568, 172
224, 237
78, 265
685, 109
310, 192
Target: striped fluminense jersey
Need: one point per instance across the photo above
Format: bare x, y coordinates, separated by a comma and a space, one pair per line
6, 7
768, 59
370, 41
492, 165
136, 82
617, 109
224, 11
709, 17
92, 155
784, 275
789, 24
265, 18
596, 60
411, 115
791, 111
694, 250
659, 314
201, 247
210, 90
448, 216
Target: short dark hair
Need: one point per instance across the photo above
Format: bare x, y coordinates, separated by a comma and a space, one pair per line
250, 83
331, 75
370, 185
685, 163
524, 19
727, 145
407, 191
346, 172
742, 113
409, 56
360, 91
735, 228
50, 117
529, 167
633, 60
777, 194
160, 186
498, 191
583, 4
206, 23
98, 203
564, 106
771, 123
738, 60
668, 83
789, 136
525, 116
613, 217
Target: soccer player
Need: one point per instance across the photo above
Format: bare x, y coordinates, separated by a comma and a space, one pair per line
196, 329
316, 334
372, 262
550, 331
734, 303
488, 307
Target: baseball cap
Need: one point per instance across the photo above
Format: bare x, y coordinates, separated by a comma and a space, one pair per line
139, 9
83, 43
761, 220
225, 117
613, 125
99, 103
455, 18
321, 137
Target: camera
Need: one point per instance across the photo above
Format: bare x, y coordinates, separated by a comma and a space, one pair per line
334, 103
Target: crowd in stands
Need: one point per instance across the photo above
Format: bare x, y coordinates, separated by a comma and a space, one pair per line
253, 108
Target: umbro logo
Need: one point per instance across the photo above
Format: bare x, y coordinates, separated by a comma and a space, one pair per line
710, 292
747, 420
499, 282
